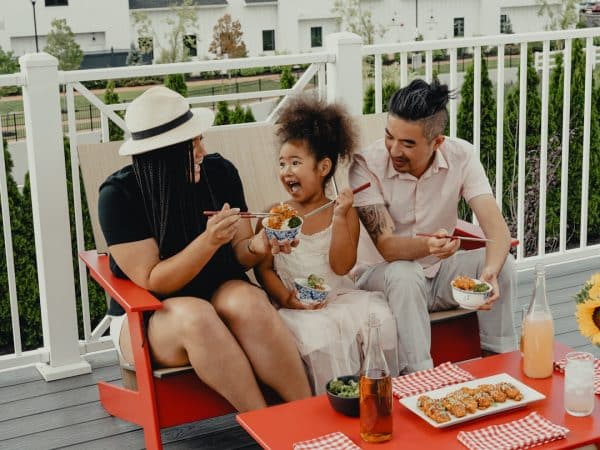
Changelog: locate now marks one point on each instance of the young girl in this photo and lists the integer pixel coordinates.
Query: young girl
(331, 336)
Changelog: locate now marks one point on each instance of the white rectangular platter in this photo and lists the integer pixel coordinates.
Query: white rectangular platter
(529, 395)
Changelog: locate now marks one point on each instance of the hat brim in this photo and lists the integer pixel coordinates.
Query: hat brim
(202, 119)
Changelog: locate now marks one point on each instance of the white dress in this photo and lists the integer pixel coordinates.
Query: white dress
(332, 340)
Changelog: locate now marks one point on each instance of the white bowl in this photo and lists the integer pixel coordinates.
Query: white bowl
(309, 295)
(289, 234)
(470, 299)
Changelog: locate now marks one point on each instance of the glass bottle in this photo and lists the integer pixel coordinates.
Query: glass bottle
(538, 331)
(375, 389)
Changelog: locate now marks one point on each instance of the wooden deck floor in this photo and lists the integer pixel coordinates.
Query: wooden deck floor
(66, 413)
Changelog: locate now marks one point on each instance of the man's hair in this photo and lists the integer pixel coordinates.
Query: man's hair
(424, 103)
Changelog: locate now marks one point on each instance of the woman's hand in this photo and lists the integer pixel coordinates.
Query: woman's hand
(343, 203)
(221, 227)
(441, 246)
(292, 302)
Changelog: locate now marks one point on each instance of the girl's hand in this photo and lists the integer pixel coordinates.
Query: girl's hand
(343, 203)
(221, 227)
(490, 276)
(292, 302)
(282, 246)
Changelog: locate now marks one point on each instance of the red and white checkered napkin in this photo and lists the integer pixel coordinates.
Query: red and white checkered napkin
(560, 366)
(527, 432)
(426, 380)
(331, 441)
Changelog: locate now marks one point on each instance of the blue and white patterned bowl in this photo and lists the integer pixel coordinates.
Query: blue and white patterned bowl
(281, 235)
(306, 294)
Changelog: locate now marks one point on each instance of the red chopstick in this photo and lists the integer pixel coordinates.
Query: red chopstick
(362, 187)
(463, 238)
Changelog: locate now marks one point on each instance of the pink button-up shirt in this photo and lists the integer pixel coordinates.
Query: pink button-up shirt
(425, 204)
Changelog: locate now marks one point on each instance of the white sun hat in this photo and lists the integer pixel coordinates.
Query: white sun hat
(161, 117)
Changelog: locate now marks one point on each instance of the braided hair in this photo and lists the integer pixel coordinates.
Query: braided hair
(326, 128)
(166, 180)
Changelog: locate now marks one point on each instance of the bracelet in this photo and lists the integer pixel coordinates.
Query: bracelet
(252, 252)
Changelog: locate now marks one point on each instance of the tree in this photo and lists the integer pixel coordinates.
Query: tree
(183, 21)
(61, 44)
(249, 117)
(176, 82)
(112, 98)
(8, 62)
(237, 115)
(222, 115)
(389, 87)
(487, 117)
(227, 38)
(134, 57)
(561, 17)
(357, 20)
(286, 79)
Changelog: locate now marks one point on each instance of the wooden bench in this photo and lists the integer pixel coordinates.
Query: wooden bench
(156, 399)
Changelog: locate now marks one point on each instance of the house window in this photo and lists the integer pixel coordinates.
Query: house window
(505, 25)
(146, 46)
(189, 42)
(57, 2)
(268, 40)
(459, 27)
(316, 36)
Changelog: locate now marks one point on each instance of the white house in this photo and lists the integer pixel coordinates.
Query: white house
(290, 26)
(98, 25)
(269, 26)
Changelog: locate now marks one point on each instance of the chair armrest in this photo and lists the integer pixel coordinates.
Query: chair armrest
(129, 295)
(467, 229)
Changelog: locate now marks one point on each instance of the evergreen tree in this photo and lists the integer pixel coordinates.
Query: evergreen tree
(487, 117)
(176, 82)
(532, 148)
(111, 98)
(389, 88)
(222, 116)
(237, 115)
(249, 117)
(286, 79)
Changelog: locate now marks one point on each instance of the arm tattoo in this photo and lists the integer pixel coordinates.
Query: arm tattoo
(375, 218)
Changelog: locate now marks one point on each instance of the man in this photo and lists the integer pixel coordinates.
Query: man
(417, 177)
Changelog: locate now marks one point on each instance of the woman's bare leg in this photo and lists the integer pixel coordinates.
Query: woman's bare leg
(266, 340)
(186, 331)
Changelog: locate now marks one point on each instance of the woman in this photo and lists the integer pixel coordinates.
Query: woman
(151, 214)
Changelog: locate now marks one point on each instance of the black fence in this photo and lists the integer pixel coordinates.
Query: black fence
(13, 124)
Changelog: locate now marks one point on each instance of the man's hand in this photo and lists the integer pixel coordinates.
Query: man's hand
(490, 277)
(222, 227)
(441, 246)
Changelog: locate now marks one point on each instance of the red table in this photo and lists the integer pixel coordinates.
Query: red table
(278, 427)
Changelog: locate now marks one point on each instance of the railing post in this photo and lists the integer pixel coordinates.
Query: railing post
(344, 77)
(45, 154)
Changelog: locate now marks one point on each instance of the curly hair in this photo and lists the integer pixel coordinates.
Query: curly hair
(327, 129)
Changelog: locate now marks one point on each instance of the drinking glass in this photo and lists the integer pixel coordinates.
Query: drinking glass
(579, 384)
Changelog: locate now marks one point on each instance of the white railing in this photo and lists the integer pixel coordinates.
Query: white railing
(475, 45)
(339, 74)
(538, 58)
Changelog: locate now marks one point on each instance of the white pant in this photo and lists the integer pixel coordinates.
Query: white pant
(116, 325)
(411, 296)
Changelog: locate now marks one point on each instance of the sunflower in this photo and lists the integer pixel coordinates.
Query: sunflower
(587, 310)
